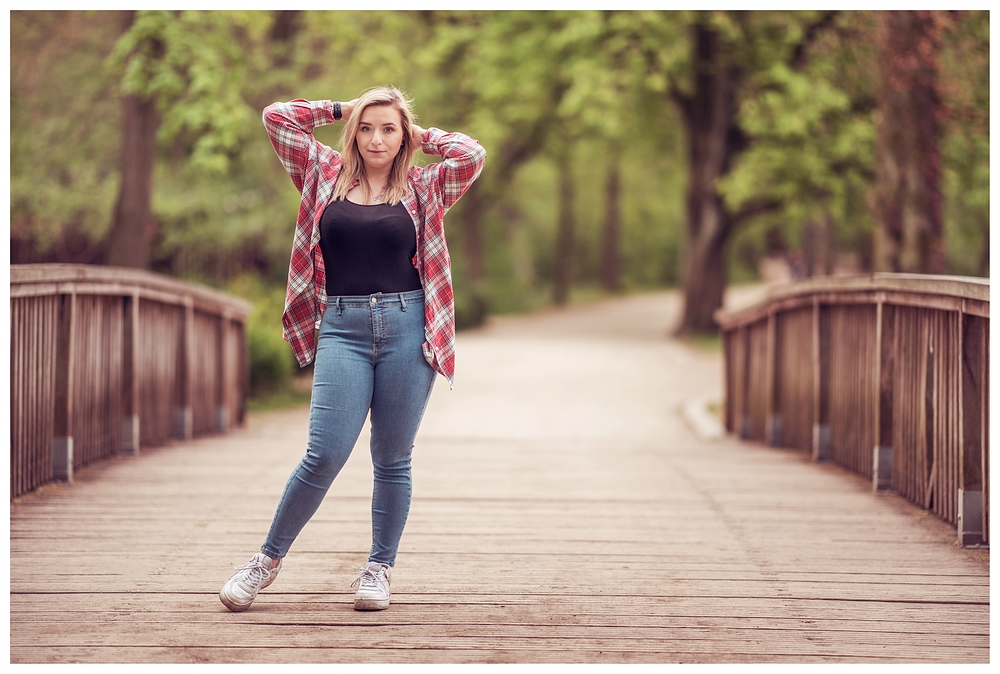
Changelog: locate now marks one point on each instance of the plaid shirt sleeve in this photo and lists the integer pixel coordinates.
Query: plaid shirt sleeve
(463, 160)
(437, 187)
(290, 126)
(308, 163)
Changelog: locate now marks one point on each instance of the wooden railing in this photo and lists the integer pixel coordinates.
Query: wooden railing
(105, 360)
(884, 374)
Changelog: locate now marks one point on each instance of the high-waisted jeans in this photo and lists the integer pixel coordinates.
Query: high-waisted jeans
(369, 357)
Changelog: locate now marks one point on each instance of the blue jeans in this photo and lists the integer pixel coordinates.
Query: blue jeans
(369, 357)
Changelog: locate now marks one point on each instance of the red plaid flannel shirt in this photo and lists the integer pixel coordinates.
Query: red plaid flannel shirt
(314, 168)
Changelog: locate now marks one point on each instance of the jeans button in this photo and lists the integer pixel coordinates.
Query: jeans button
(374, 300)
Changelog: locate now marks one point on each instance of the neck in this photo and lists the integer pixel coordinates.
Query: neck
(377, 179)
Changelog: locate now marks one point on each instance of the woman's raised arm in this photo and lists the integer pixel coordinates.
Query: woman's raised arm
(290, 126)
(463, 161)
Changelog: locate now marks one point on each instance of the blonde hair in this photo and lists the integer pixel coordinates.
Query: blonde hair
(354, 165)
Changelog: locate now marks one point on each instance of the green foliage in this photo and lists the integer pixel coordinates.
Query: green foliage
(272, 364)
(471, 307)
(193, 64)
(814, 140)
(64, 140)
(269, 401)
(527, 84)
(965, 80)
(706, 341)
(810, 144)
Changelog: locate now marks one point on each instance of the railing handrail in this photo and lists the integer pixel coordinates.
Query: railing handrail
(963, 293)
(28, 280)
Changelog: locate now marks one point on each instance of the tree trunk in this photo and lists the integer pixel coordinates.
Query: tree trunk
(130, 236)
(565, 235)
(287, 23)
(714, 138)
(704, 285)
(817, 246)
(907, 204)
(610, 251)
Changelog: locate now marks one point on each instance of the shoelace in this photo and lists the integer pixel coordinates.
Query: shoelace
(256, 572)
(368, 579)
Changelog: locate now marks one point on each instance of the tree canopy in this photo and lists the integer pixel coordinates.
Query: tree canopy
(592, 119)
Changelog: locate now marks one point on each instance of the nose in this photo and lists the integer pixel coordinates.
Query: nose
(377, 138)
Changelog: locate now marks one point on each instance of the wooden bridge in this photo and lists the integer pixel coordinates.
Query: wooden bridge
(573, 503)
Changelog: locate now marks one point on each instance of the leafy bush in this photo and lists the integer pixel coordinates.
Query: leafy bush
(271, 360)
(471, 308)
(272, 363)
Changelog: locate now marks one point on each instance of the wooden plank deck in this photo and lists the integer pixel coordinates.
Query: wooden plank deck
(563, 512)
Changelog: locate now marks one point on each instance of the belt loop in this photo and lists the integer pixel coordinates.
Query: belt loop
(402, 301)
(340, 310)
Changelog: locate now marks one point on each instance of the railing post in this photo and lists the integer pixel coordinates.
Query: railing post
(821, 382)
(222, 397)
(727, 379)
(885, 322)
(743, 413)
(62, 431)
(972, 451)
(772, 420)
(183, 416)
(244, 368)
(130, 374)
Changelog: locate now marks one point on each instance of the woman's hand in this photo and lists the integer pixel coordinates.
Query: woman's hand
(416, 135)
(347, 109)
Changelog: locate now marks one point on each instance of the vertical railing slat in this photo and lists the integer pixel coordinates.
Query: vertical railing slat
(63, 422)
(885, 359)
(971, 492)
(130, 375)
(184, 423)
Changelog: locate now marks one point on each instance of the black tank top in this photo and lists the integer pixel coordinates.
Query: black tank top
(368, 249)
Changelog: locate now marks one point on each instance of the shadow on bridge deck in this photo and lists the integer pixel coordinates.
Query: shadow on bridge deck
(563, 512)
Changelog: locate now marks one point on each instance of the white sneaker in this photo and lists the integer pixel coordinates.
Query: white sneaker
(373, 587)
(242, 587)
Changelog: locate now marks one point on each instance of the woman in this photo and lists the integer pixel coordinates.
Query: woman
(370, 271)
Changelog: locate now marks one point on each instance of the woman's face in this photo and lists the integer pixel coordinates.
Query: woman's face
(380, 135)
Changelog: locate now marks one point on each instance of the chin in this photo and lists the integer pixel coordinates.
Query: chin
(378, 162)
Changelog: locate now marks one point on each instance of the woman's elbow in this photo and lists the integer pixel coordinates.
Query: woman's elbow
(272, 115)
(477, 154)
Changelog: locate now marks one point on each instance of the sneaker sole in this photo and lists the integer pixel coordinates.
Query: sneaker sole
(370, 604)
(232, 606)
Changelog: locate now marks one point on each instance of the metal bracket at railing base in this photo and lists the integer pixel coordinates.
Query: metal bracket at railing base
(62, 458)
(882, 468)
(774, 429)
(821, 442)
(743, 431)
(130, 435)
(970, 517)
(221, 419)
(183, 423)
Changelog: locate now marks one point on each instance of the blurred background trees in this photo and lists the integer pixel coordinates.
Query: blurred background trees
(627, 150)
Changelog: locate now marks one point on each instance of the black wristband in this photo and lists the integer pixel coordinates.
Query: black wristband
(336, 110)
